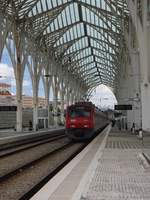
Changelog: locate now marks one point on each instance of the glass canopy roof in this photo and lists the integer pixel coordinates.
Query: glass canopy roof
(85, 35)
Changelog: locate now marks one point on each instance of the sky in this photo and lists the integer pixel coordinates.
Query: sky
(102, 96)
(7, 76)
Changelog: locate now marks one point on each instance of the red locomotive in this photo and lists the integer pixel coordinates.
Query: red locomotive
(83, 119)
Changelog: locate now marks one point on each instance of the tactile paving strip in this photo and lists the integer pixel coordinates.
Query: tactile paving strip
(127, 145)
(119, 176)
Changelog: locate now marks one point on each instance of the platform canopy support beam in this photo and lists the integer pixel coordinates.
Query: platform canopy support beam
(19, 58)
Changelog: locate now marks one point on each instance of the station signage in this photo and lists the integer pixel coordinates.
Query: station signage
(123, 107)
(8, 108)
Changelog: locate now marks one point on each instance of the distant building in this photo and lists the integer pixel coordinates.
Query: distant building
(6, 98)
(5, 95)
(28, 101)
(4, 89)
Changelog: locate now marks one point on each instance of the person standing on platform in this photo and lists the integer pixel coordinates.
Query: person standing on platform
(30, 125)
(133, 128)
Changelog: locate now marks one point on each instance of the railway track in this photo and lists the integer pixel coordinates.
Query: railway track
(22, 180)
(25, 155)
(19, 146)
(30, 139)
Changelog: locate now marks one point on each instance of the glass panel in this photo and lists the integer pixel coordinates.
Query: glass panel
(79, 112)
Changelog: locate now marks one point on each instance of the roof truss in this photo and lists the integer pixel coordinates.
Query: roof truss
(84, 35)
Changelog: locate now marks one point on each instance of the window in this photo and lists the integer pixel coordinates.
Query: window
(79, 113)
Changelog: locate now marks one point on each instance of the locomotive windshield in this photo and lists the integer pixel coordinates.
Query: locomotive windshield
(78, 112)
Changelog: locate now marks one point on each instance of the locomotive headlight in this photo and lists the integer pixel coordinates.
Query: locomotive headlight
(72, 126)
(86, 126)
(73, 120)
(86, 120)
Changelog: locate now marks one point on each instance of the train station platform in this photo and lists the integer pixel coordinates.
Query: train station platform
(9, 135)
(112, 167)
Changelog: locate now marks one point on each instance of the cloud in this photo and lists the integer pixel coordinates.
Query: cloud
(26, 83)
(6, 71)
(7, 74)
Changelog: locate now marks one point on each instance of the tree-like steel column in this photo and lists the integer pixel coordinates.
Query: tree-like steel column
(67, 95)
(35, 82)
(55, 100)
(3, 33)
(47, 99)
(47, 84)
(35, 103)
(62, 101)
(19, 78)
(71, 97)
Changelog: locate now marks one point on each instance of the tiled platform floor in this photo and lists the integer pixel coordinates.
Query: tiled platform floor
(119, 174)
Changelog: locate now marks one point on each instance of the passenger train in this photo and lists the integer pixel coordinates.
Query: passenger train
(83, 120)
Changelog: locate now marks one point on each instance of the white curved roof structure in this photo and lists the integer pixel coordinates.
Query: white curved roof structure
(87, 36)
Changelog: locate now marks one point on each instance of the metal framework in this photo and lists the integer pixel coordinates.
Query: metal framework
(85, 36)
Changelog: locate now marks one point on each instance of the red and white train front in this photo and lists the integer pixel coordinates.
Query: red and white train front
(79, 121)
(83, 119)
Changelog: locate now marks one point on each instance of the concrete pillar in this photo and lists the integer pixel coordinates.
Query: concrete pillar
(142, 28)
(145, 76)
(129, 90)
(145, 94)
(134, 116)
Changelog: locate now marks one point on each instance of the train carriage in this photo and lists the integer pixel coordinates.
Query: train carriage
(83, 120)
